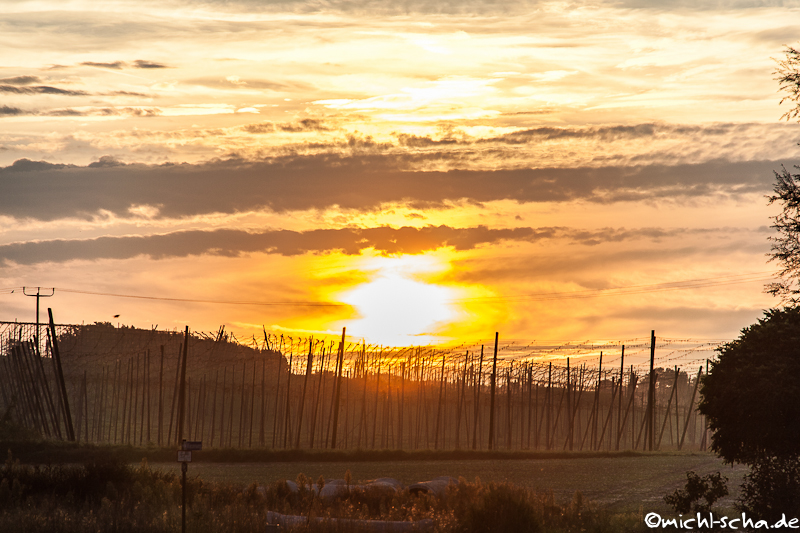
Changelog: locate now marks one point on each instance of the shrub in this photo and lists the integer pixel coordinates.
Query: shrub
(699, 494)
(771, 488)
(501, 508)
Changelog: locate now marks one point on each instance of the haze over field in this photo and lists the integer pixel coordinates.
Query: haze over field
(418, 172)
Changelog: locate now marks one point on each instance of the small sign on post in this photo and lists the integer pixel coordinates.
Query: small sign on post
(184, 458)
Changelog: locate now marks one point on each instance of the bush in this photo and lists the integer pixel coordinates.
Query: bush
(501, 508)
(699, 494)
(771, 488)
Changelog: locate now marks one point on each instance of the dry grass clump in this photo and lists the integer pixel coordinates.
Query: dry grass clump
(113, 497)
(467, 507)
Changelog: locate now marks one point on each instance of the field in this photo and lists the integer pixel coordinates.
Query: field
(617, 483)
(128, 489)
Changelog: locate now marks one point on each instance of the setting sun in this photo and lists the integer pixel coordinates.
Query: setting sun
(398, 308)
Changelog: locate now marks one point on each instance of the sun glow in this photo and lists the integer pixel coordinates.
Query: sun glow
(397, 306)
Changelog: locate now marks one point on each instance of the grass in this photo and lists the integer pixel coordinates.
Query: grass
(115, 497)
(620, 481)
(71, 452)
(466, 507)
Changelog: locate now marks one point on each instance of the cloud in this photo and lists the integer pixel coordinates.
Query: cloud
(101, 112)
(67, 112)
(609, 235)
(116, 65)
(476, 7)
(11, 111)
(26, 165)
(141, 63)
(424, 141)
(40, 89)
(20, 80)
(608, 266)
(84, 112)
(235, 82)
(107, 161)
(305, 125)
(605, 133)
(350, 241)
(644, 143)
(707, 5)
(776, 37)
(598, 133)
(130, 93)
(263, 127)
(119, 65)
(361, 182)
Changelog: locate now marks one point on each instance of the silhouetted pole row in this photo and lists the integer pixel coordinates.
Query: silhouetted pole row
(351, 396)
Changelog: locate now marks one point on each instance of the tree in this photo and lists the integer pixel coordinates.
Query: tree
(788, 72)
(786, 246)
(751, 396)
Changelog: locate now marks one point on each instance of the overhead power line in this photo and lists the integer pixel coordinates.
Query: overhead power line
(207, 301)
(732, 279)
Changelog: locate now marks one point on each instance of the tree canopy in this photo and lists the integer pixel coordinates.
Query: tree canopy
(786, 244)
(752, 394)
(788, 72)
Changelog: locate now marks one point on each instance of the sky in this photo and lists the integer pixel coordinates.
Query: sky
(418, 172)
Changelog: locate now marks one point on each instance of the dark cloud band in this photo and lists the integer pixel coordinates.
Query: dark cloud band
(44, 191)
(350, 241)
(39, 89)
(119, 65)
(20, 80)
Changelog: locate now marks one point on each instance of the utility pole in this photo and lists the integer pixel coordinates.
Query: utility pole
(38, 295)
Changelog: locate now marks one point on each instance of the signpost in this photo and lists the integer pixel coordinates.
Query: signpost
(184, 458)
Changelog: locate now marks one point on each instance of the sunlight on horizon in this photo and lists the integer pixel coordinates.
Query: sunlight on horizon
(396, 307)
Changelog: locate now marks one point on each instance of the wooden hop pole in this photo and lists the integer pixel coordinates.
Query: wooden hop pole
(493, 385)
(182, 391)
(338, 391)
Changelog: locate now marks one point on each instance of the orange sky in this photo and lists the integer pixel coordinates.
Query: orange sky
(430, 173)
